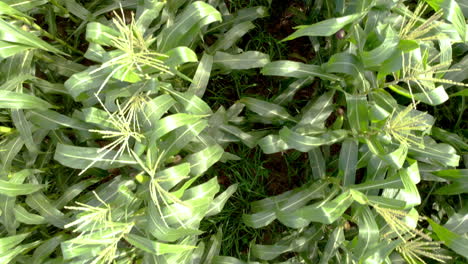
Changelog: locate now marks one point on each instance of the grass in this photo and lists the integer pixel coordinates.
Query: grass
(251, 175)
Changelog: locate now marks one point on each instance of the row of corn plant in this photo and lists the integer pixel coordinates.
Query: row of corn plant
(102, 148)
(368, 145)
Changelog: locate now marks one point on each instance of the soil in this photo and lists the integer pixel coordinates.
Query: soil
(281, 24)
(280, 179)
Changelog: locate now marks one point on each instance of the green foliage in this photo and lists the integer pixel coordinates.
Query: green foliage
(366, 204)
(110, 150)
(103, 150)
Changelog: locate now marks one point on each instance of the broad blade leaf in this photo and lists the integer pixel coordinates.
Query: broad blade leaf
(296, 69)
(83, 157)
(324, 28)
(14, 100)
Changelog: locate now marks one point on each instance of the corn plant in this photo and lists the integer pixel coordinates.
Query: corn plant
(368, 153)
(107, 146)
(104, 147)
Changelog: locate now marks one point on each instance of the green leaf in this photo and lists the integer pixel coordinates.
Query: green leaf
(153, 247)
(8, 243)
(228, 39)
(317, 163)
(442, 154)
(202, 160)
(380, 252)
(241, 16)
(297, 70)
(7, 203)
(10, 9)
(435, 96)
(407, 45)
(452, 12)
(83, 157)
(77, 9)
(453, 174)
(368, 236)
(8, 49)
(410, 194)
(15, 189)
(146, 13)
(7, 257)
(316, 113)
(169, 123)
(267, 110)
(397, 157)
(218, 203)
(98, 117)
(43, 206)
(392, 182)
(63, 66)
(73, 191)
(214, 247)
(90, 79)
(377, 56)
(322, 212)
(459, 72)
(230, 260)
(196, 202)
(242, 61)
(258, 220)
(463, 92)
(187, 25)
(159, 229)
(348, 161)
(452, 240)
(179, 56)
(192, 104)
(48, 87)
(25, 5)
(386, 202)
(458, 223)
(95, 52)
(450, 138)
(14, 100)
(156, 108)
(28, 218)
(202, 76)
(454, 188)
(268, 252)
(357, 112)
(171, 176)
(180, 137)
(287, 95)
(324, 28)
(100, 34)
(272, 144)
(248, 139)
(46, 249)
(334, 242)
(267, 209)
(52, 120)
(306, 143)
(25, 129)
(13, 34)
(345, 63)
